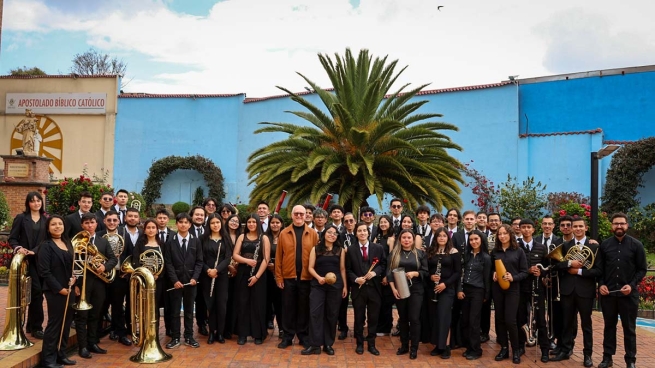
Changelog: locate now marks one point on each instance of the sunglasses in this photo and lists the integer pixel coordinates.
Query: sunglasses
(367, 215)
(349, 221)
(108, 199)
(111, 220)
(226, 211)
(397, 206)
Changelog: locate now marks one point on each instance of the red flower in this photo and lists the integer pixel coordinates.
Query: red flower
(562, 212)
(45, 191)
(587, 213)
(71, 208)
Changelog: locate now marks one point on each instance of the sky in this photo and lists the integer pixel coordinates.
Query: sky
(252, 46)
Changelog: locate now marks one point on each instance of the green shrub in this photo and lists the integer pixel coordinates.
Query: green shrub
(5, 216)
(198, 197)
(583, 210)
(642, 225)
(179, 207)
(62, 198)
(525, 200)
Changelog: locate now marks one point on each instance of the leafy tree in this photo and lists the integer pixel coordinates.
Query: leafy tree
(370, 141)
(27, 71)
(525, 200)
(93, 62)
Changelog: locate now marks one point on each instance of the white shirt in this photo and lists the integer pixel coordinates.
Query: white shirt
(134, 236)
(529, 245)
(367, 249)
(179, 240)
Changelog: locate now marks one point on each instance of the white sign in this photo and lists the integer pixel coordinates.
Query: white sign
(57, 103)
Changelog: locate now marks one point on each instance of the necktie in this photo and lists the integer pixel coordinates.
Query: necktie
(123, 216)
(396, 223)
(450, 233)
(546, 239)
(93, 238)
(199, 231)
(364, 254)
(579, 245)
(184, 245)
(161, 237)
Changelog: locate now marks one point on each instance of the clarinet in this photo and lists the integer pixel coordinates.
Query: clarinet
(435, 298)
(255, 256)
(218, 254)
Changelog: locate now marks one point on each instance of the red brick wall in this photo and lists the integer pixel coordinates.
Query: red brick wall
(15, 194)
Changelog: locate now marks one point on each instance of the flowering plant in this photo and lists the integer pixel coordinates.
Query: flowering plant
(62, 198)
(582, 210)
(6, 252)
(483, 188)
(646, 289)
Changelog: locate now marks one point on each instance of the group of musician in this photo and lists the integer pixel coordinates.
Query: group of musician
(441, 272)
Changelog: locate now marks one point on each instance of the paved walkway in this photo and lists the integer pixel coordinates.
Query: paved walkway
(268, 355)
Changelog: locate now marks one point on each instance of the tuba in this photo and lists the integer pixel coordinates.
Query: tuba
(144, 318)
(19, 296)
(81, 260)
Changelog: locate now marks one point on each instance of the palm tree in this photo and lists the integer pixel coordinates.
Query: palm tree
(369, 142)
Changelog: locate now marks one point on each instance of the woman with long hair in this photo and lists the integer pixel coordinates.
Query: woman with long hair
(506, 301)
(226, 211)
(445, 268)
(149, 241)
(474, 290)
(55, 261)
(27, 233)
(328, 256)
(415, 263)
(252, 252)
(216, 254)
(233, 227)
(273, 293)
(386, 238)
(407, 223)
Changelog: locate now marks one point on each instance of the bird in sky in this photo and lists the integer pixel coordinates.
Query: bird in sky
(439, 7)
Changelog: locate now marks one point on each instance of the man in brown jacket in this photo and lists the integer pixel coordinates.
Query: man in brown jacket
(292, 276)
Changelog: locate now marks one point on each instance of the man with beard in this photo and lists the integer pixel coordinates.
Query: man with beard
(197, 229)
(624, 266)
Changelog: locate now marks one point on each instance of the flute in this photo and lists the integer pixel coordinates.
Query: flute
(218, 254)
(183, 285)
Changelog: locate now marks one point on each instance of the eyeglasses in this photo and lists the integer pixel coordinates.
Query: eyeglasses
(333, 233)
(210, 205)
(108, 199)
(226, 211)
(367, 215)
(299, 214)
(547, 224)
(397, 206)
(619, 223)
(349, 221)
(494, 221)
(111, 220)
(234, 221)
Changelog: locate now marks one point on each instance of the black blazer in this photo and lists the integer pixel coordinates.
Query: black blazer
(100, 218)
(459, 241)
(183, 267)
(53, 267)
(582, 285)
(355, 269)
(554, 241)
(73, 224)
(128, 248)
(21, 232)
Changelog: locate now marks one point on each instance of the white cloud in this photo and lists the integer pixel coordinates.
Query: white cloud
(253, 45)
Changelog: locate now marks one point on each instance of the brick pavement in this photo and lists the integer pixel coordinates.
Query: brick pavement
(268, 355)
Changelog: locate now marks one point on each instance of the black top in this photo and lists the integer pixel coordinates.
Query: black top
(209, 250)
(536, 255)
(298, 230)
(451, 268)
(515, 263)
(624, 263)
(248, 249)
(55, 265)
(477, 271)
(27, 233)
(408, 261)
(329, 262)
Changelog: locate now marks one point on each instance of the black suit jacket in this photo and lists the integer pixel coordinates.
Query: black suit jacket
(554, 241)
(72, 224)
(535, 256)
(180, 266)
(582, 285)
(343, 237)
(355, 269)
(128, 248)
(53, 267)
(459, 241)
(100, 218)
(21, 233)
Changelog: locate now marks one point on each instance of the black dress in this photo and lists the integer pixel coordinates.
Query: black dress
(217, 302)
(439, 313)
(273, 293)
(325, 300)
(250, 302)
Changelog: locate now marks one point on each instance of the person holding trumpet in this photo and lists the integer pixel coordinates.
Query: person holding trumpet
(506, 290)
(55, 263)
(328, 256)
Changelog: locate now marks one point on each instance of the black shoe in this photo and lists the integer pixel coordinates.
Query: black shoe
(259, 341)
(328, 350)
(280, 334)
(630, 365)
(569, 353)
(210, 339)
(502, 355)
(228, 336)
(413, 353)
(97, 349)
(173, 344)
(66, 361)
(311, 350)
(521, 351)
(359, 349)
(113, 336)
(220, 339)
(373, 350)
(191, 342)
(516, 357)
(305, 344)
(52, 366)
(484, 338)
(270, 325)
(284, 344)
(473, 356)
(37, 335)
(402, 350)
(436, 351)
(606, 363)
(241, 341)
(544, 356)
(343, 335)
(126, 341)
(587, 361)
(84, 353)
(446, 353)
(395, 332)
(203, 330)
(556, 351)
(559, 357)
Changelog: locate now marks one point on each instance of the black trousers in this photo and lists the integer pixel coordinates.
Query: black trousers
(409, 315)
(439, 315)
(485, 317)
(506, 304)
(56, 307)
(201, 310)
(119, 292)
(385, 321)
(324, 304)
(626, 307)
(367, 309)
(184, 296)
(217, 308)
(230, 314)
(273, 300)
(86, 322)
(343, 311)
(166, 303)
(455, 324)
(539, 310)
(572, 305)
(35, 315)
(295, 309)
(471, 316)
